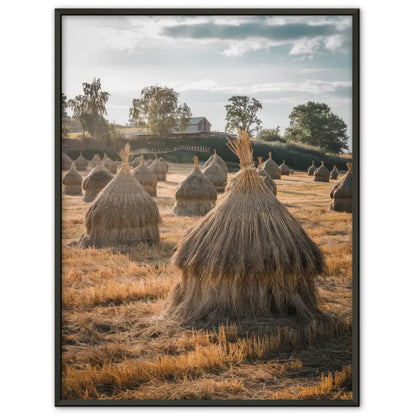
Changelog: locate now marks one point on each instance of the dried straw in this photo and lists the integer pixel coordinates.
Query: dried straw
(72, 181)
(109, 164)
(219, 160)
(284, 169)
(312, 168)
(146, 177)
(81, 163)
(272, 168)
(334, 173)
(216, 174)
(342, 193)
(66, 162)
(97, 180)
(321, 174)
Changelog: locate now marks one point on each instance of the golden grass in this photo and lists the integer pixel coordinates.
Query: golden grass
(114, 349)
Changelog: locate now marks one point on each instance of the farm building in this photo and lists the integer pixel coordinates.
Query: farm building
(196, 125)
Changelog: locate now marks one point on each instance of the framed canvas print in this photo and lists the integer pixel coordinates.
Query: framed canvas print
(207, 207)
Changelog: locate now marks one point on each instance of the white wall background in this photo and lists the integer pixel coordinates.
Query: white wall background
(388, 227)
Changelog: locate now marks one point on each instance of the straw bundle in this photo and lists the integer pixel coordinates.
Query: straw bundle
(342, 193)
(219, 160)
(321, 174)
(247, 258)
(136, 162)
(149, 162)
(272, 168)
(284, 169)
(165, 163)
(216, 174)
(66, 162)
(123, 214)
(93, 161)
(195, 195)
(72, 181)
(81, 163)
(146, 177)
(266, 177)
(97, 180)
(312, 168)
(334, 173)
(159, 168)
(109, 164)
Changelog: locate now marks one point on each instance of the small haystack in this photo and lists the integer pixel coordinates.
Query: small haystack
(123, 214)
(165, 163)
(248, 258)
(73, 182)
(136, 162)
(159, 168)
(342, 193)
(219, 160)
(266, 177)
(149, 162)
(81, 163)
(195, 195)
(97, 180)
(66, 162)
(334, 173)
(109, 164)
(272, 168)
(284, 169)
(146, 177)
(321, 174)
(216, 174)
(93, 161)
(312, 168)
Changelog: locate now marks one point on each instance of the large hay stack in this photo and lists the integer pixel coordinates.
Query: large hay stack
(342, 193)
(81, 163)
(109, 164)
(216, 174)
(146, 177)
(272, 168)
(266, 177)
(97, 180)
(73, 182)
(334, 173)
(312, 168)
(321, 174)
(195, 195)
(284, 169)
(246, 259)
(219, 159)
(123, 214)
(66, 162)
(159, 167)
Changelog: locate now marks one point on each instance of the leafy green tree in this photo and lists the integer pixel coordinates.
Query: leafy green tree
(64, 106)
(158, 108)
(315, 124)
(271, 135)
(242, 114)
(89, 108)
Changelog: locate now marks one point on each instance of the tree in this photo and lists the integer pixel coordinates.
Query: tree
(64, 106)
(158, 108)
(271, 135)
(315, 124)
(90, 109)
(241, 113)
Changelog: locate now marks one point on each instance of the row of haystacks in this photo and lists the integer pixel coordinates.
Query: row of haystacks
(322, 174)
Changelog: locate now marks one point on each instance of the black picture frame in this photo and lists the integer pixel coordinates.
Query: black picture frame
(355, 14)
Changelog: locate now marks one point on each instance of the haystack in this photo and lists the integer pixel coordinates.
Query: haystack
(93, 161)
(272, 168)
(312, 168)
(266, 177)
(109, 164)
(123, 214)
(216, 174)
(136, 162)
(284, 169)
(321, 174)
(165, 163)
(219, 160)
(81, 163)
(247, 258)
(334, 173)
(97, 180)
(159, 168)
(66, 162)
(149, 162)
(146, 177)
(72, 181)
(342, 193)
(195, 195)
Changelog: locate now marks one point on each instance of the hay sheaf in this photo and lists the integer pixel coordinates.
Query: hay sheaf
(266, 177)
(81, 163)
(334, 173)
(109, 164)
(321, 174)
(284, 169)
(123, 214)
(219, 160)
(66, 162)
(195, 195)
(149, 162)
(146, 177)
(136, 162)
(312, 168)
(247, 258)
(216, 174)
(97, 180)
(159, 167)
(73, 182)
(272, 168)
(342, 193)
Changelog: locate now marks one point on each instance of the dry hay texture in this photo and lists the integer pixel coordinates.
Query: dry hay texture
(195, 195)
(321, 174)
(216, 174)
(219, 160)
(160, 168)
(312, 168)
(149, 162)
(284, 169)
(73, 182)
(81, 163)
(136, 161)
(93, 161)
(96, 180)
(123, 214)
(66, 162)
(246, 259)
(334, 173)
(109, 164)
(342, 193)
(272, 168)
(266, 177)
(146, 177)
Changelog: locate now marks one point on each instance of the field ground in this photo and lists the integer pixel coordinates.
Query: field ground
(114, 347)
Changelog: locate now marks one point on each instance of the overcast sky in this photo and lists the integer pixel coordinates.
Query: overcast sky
(282, 61)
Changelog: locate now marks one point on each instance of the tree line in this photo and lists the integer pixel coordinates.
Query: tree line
(158, 109)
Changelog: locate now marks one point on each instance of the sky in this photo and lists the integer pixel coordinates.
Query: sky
(282, 61)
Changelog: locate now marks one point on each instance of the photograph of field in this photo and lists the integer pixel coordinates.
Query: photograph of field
(209, 257)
